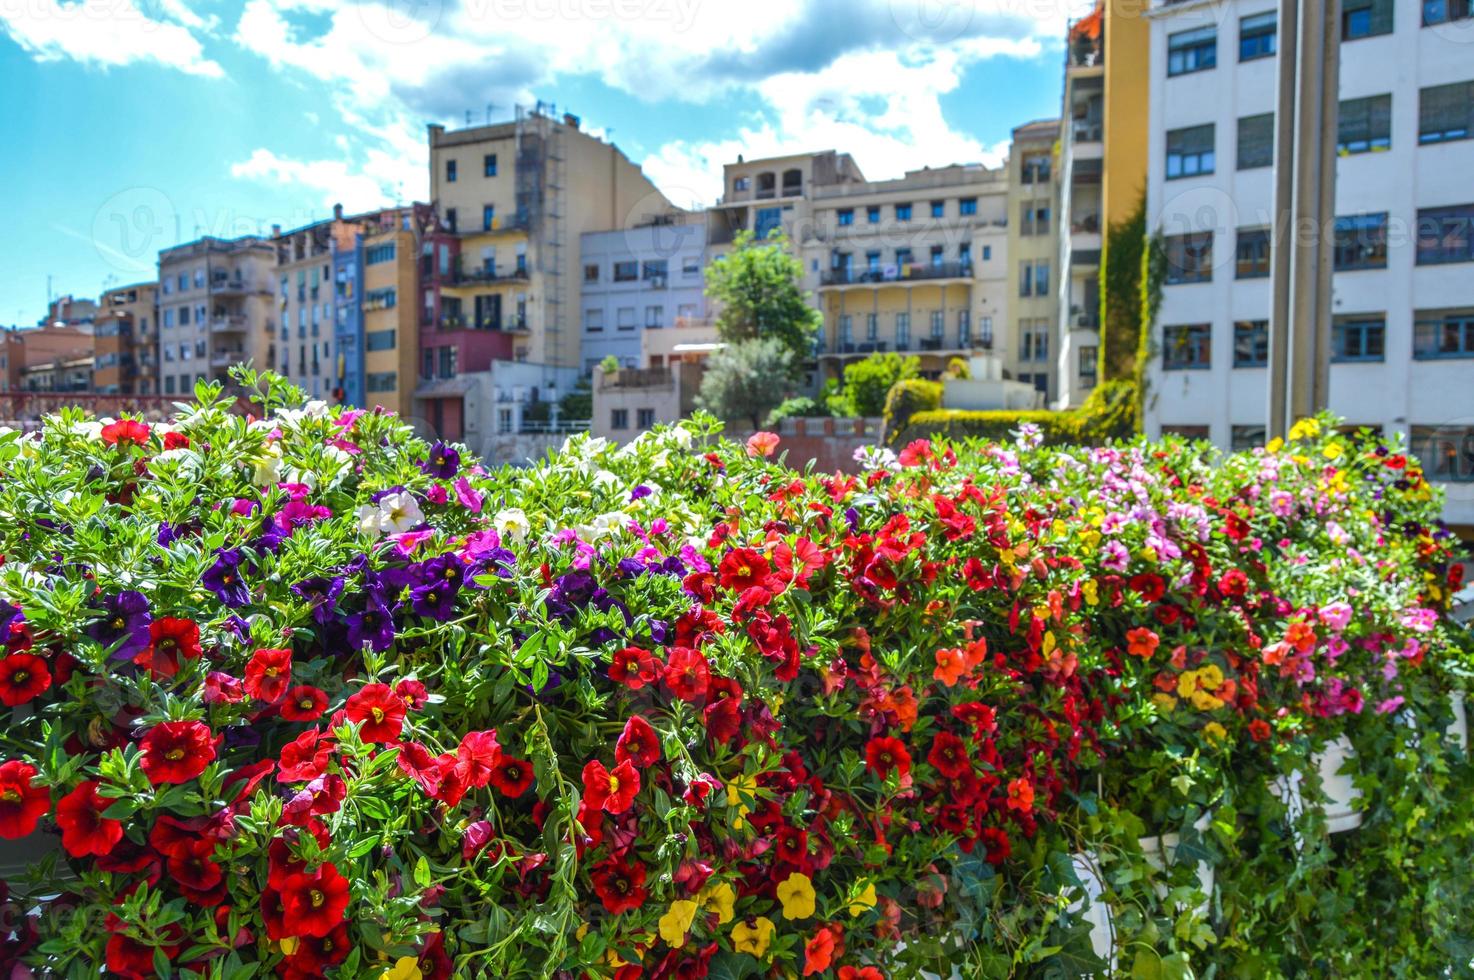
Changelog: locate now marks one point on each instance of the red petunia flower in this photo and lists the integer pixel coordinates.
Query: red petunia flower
(380, 711)
(417, 762)
(634, 668)
(84, 829)
(314, 954)
(995, 841)
(413, 692)
(883, 755)
(983, 719)
(304, 703)
(313, 904)
(792, 845)
(125, 431)
(1020, 795)
(512, 777)
(176, 751)
(948, 755)
(612, 791)
(194, 868)
(477, 756)
(172, 640)
(638, 743)
(687, 674)
(176, 440)
(21, 804)
(1141, 642)
(744, 568)
(268, 674)
(860, 973)
(23, 677)
(305, 757)
(821, 948)
(619, 884)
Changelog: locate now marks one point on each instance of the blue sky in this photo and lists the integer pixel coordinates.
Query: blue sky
(131, 125)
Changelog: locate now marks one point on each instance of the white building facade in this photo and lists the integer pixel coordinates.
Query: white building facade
(648, 277)
(1403, 345)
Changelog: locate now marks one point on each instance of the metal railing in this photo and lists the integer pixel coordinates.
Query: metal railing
(910, 272)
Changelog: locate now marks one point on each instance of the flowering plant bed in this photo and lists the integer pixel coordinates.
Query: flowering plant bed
(305, 696)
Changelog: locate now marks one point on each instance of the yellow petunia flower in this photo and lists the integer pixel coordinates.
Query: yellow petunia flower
(753, 936)
(1274, 445)
(797, 895)
(1305, 429)
(1187, 683)
(737, 788)
(404, 968)
(1164, 702)
(1215, 732)
(676, 922)
(719, 898)
(865, 901)
(1091, 591)
(1204, 701)
(1332, 451)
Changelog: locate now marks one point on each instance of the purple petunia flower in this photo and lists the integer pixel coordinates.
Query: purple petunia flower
(322, 593)
(443, 462)
(374, 626)
(224, 579)
(125, 622)
(433, 601)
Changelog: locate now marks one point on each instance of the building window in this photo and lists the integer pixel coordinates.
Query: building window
(1256, 141)
(741, 183)
(903, 331)
(690, 267)
(625, 318)
(645, 418)
(872, 327)
(1446, 112)
(1365, 125)
(845, 216)
(1361, 242)
(448, 361)
(450, 171)
(1443, 11)
(1251, 253)
(1365, 18)
(619, 418)
(964, 328)
(903, 212)
(488, 164)
(1035, 169)
(1243, 438)
(593, 321)
(1190, 152)
(654, 317)
(1447, 452)
(378, 340)
(1034, 278)
(655, 269)
(1443, 333)
(488, 217)
(626, 271)
(938, 256)
(1446, 235)
(872, 214)
(1187, 347)
(967, 206)
(1189, 258)
(1089, 359)
(1257, 35)
(1358, 338)
(1250, 343)
(450, 219)
(377, 299)
(371, 256)
(381, 380)
(591, 272)
(938, 209)
(1190, 51)
(1034, 217)
(504, 420)
(938, 324)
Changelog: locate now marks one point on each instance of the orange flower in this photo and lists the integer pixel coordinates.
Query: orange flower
(976, 652)
(762, 443)
(821, 949)
(951, 665)
(1020, 795)
(1141, 642)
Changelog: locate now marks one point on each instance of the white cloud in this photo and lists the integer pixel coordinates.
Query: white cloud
(861, 76)
(109, 34)
(358, 189)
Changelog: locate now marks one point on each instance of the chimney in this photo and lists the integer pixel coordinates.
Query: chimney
(337, 212)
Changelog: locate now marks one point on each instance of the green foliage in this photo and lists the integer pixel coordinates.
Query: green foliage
(579, 402)
(746, 380)
(867, 381)
(798, 407)
(756, 289)
(1120, 294)
(609, 364)
(906, 398)
(1108, 414)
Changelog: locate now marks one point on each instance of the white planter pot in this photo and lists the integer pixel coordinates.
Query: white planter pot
(1341, 813)
(1459, 730)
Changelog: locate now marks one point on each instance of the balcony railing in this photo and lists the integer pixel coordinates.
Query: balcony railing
(928, 344)
(506, 324)
(228, 324)
(484, 276)
(636, 378)
(911, 272)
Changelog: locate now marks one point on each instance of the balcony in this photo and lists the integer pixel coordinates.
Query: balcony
(488, 277)
(642, 378)
(225, 358)
(506, 324)
(235, 323)
(239, 285)
(884, 275)
(929, 344)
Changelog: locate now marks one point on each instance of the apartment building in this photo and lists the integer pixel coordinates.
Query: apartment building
(916, 265)
(389, 242)
(640, 280)
(1026, 342)
(125, 334)
(1403, 293)
(218, 305)
(501, 269)
(1101, 180)
(305, 308)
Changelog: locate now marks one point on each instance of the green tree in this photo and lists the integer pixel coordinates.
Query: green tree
(747, 379)
(579, 402)
(867, 382)
(756, 288)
